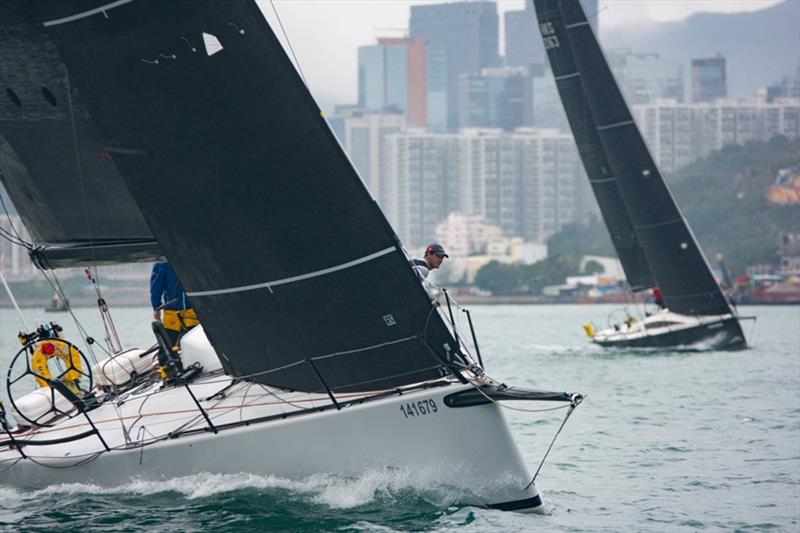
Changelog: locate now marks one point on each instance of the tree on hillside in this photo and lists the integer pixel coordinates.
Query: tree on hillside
(593, 267)
(499, 278)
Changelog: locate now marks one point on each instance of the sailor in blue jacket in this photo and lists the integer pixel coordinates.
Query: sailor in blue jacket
(167, 294)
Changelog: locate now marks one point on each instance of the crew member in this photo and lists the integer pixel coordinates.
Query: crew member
(169, 302)
(434, 256)
(658, 298)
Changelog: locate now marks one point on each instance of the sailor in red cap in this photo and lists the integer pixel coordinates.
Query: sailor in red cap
(434, 256)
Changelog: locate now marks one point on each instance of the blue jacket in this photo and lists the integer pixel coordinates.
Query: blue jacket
(164, 287)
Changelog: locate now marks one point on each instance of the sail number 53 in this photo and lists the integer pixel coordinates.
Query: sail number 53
(419, 408)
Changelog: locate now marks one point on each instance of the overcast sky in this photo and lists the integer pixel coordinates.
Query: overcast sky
(325, 34)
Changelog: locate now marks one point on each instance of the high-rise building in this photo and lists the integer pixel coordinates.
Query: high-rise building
(709, 79)
(465, 35)
(422, 177)
(678, 134)
(788, 87)
(548, 111)
(529, 183)
(496, 98)
(392, 76)
(646, 76)
(523, 43)
(365, 136)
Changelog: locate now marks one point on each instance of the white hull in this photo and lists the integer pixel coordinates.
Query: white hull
(469, 447)
(666, 328)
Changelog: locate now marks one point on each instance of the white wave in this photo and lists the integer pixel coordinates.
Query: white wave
(336, 492)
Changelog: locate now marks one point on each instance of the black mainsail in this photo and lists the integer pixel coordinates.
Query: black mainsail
(584, 130)
(286, 256)
(678, 266)
(62, 181)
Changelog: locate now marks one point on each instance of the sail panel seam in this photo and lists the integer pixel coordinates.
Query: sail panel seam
(269, 284)
(84, 14)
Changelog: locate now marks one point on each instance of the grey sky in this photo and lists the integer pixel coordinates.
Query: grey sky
(326, 33)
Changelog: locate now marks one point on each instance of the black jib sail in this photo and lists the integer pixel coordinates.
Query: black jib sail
(675, 259)
(63, 183)
(600, 173)
(286, 257)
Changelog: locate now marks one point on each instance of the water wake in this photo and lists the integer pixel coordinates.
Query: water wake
(333, 491)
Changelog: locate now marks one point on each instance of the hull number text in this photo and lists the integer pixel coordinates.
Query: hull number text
(419, 408)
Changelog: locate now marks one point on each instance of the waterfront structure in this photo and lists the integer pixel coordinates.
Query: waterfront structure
(392, 76)
(709, 79)
(462, 38)
(495, 98)
(364, 138)
(679, 133)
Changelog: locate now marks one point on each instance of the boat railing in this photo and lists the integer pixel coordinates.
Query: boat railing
(312, 366)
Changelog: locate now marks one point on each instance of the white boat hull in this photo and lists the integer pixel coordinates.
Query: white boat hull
(466, 447)
(665, 329)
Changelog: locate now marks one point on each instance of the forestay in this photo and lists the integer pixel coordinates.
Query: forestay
(283, 251)
(675, 259)
(63, 183)
(584, 129)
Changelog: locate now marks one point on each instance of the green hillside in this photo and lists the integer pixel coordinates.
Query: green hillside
(724, 198)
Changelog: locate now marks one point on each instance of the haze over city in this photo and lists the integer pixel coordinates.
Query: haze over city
(325, 34)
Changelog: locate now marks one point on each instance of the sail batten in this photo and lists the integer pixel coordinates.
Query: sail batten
(241, 180)
(269, 284)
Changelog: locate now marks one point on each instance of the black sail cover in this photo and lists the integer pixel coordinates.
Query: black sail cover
(584, 130)
(675, 259)
(285, 255)
(63, 183)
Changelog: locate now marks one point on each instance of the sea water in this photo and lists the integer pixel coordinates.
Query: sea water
(666, 440)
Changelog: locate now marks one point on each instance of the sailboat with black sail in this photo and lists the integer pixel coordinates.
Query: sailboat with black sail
(652, 238)
(318, 352)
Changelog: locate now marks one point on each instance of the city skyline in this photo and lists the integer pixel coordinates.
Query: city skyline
(325, 34)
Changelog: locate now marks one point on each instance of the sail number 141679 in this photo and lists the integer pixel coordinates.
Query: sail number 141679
(418, 408)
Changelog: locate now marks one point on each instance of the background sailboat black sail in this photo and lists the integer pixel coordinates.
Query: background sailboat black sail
(280, 246)
(584, 129)
(593, 101)
(63, 183)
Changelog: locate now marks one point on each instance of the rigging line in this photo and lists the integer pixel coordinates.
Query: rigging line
(81, 330)
(15, 233)
(289, 42)
(572, 407)
(80, 175)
